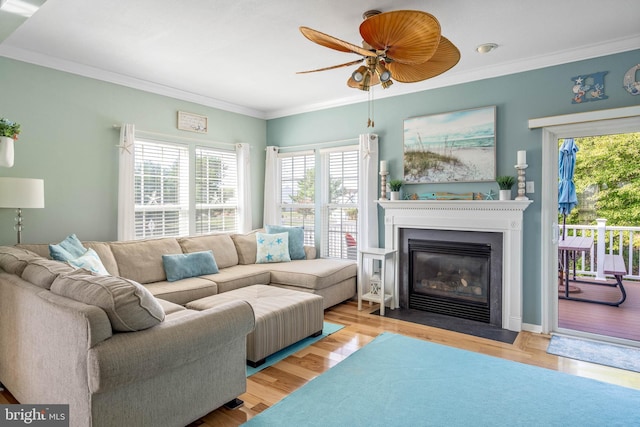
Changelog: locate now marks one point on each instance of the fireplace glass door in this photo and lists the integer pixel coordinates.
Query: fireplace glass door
(450, 278)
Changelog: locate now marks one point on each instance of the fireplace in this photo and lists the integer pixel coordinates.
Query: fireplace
(503, 220)
(456, 273)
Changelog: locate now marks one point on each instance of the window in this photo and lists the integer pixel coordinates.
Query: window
(216, 191)
(297, 193)
(334, 192)
(340, 204)
(164, 188)
(161, 192)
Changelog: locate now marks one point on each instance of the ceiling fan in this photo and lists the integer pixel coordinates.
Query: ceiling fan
(403, 45)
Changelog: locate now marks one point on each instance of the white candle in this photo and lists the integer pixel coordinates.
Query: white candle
(522, 157)
(383, 166)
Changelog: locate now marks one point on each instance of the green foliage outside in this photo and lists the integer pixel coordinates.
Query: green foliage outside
(307, 186)
(607, 179)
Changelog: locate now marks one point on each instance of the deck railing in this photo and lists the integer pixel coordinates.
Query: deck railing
(616, 240)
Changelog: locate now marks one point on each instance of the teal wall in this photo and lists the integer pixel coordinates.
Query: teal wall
(518, 97)
(68, 139)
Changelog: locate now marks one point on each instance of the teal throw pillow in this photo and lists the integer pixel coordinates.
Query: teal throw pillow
(193, 264)
(296, 239)
(89, 261)
(69, 248)
(272, 248)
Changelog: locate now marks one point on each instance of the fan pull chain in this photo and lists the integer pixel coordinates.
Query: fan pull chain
(370, 122)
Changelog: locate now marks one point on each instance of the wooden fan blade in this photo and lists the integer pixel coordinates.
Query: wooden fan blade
(333, 43)
(408, 36)
(331, 68)
(444, 59)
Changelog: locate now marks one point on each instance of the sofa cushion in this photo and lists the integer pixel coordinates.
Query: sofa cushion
(69, 248)
(246, 247)
(272, 248)
(183, 291)
(194, 264)
(14, 260)
(240, 276)
(310, 252)
(141, 260)
(90, 261)
(313, 273)
(129, 306)
(296, 239)
(224, 250)
(170, 307)
(41, 249)
(42, 272)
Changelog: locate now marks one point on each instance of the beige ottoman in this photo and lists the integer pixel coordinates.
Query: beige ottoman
(283, 317)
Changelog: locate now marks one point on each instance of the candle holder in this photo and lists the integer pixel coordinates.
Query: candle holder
(383, 185)
(521, 182)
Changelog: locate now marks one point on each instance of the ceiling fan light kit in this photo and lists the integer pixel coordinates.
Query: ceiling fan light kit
(358, 75)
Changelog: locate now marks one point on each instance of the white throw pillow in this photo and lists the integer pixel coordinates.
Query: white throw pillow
(272, 248)
(90, 261)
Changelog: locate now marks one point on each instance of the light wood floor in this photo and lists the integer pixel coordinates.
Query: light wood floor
(274, 383)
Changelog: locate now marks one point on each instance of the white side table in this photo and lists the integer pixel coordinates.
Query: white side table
(387, 259)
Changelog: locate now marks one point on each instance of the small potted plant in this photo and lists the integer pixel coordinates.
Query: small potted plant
(505, 183)
(395, 185)
(9, 129)
(8, 134)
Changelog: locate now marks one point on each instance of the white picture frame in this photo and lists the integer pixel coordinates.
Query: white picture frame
(192, 122)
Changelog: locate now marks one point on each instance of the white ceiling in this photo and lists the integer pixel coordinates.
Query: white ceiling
(243, 55)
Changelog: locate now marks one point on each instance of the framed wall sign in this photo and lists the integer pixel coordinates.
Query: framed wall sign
(451, 147)
(192, 122)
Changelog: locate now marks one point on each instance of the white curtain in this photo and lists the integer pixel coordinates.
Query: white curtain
(126, 201)
(271, 188)
(243, 154)
(368, 191)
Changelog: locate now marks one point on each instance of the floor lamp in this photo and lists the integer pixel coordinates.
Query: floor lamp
(21, 193)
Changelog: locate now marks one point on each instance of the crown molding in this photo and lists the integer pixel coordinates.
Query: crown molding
(124, 80)
(452, 78)
(448, 79)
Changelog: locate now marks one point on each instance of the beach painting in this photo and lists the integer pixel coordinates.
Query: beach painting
(451, 147)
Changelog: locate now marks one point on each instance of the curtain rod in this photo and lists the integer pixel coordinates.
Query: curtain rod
(186, 138)
(317, 145)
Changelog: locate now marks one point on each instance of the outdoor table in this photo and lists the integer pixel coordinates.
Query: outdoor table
(569, 247)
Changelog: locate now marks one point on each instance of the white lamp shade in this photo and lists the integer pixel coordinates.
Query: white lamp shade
(21, 193)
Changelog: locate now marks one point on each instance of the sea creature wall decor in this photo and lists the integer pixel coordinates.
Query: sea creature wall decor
(588, 87)
(629, 81)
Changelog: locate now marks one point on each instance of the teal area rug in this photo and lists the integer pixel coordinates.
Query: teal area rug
(401, 381)
(617, 356)
(327, 329)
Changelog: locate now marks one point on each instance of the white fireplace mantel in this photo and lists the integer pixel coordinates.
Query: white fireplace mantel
(468, 215)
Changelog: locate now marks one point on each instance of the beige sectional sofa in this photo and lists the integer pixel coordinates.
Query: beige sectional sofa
(57, 349)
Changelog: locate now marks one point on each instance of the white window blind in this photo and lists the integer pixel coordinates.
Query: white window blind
(216, 187)
(297, 187)
(161, 186)
(340, 207)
